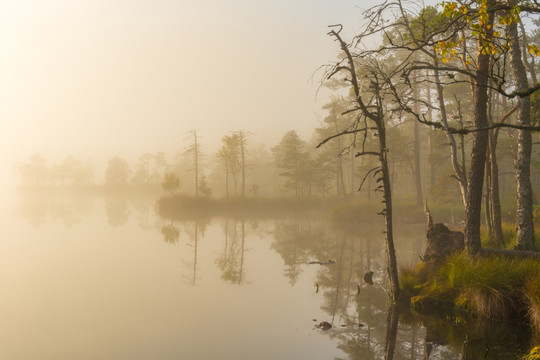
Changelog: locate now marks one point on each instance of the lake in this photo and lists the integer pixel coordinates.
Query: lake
(107, 278)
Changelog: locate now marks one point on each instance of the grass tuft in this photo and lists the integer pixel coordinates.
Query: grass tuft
(492, 287)
(534, 354)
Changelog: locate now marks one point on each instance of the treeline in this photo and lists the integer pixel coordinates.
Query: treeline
(294, 167)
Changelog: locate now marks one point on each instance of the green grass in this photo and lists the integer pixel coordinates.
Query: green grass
(509, 237)
(534, 354)
(492, 287)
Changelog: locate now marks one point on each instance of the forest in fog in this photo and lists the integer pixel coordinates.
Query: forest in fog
(423, 75)
(294, 166)
(415, 189)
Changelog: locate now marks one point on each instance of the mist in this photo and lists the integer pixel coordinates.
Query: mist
(262, 180)
(123, 79)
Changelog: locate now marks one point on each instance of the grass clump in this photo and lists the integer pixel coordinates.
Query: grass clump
(509, 236)
(532, 295)
(493, 287)
(534, 354)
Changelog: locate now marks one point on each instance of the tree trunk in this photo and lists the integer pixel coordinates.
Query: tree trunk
(341, 181)
(431, 165)
(487, 197)
(392, 322)
(525, 227)
(531, 66)
(458, 171)
(495, 201)
(417, 170)
(226, 178)
(242, 154)
(475, 181)
(387, 211)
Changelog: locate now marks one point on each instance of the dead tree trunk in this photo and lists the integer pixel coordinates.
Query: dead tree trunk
(375, 114)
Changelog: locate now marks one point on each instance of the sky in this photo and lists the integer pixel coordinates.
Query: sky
(102, 78)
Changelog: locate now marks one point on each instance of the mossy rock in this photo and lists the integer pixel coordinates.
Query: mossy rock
(534, 354)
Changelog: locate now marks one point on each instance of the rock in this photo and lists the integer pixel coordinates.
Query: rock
(325, 325)
(442, 242)
(368, 278)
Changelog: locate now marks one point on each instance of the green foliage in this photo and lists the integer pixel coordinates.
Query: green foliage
(294, 163)
(170, 183)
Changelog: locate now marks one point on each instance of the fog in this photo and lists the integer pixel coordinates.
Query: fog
(165, 195)
(123, 78)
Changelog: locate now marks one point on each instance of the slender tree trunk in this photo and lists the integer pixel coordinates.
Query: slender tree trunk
(392, 322)
(196, 153)
(525, 227)
(493, 189)
(475, 182)
(387, 211)
(341, 183)
(495, 202)
(242, 136)
(431, 165)
(530, 65)
(417, 170)
(226, 178)
(458, 171)
(487, 198)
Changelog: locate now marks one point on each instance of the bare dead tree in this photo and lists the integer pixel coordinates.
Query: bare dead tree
(368, 102)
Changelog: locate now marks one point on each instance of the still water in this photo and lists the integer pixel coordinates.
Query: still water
(95, 278)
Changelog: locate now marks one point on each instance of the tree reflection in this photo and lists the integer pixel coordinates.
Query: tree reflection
(171, 233)
(197, 231)
(358, 311)
(293, 241)
(231, 261)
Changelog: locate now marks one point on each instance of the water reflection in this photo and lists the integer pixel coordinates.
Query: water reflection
(70, 210)
(231, 259)
(171, 233)
(303, 260)
(117, 211)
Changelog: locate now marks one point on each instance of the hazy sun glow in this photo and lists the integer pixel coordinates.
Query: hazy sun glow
(98, 78)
